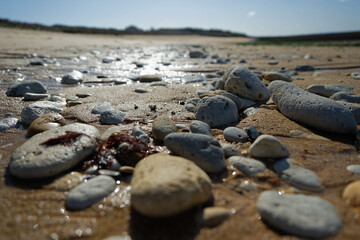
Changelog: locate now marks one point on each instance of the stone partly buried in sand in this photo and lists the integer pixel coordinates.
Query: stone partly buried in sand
(37, 109)
(299, 215)
(90, 192)
(216, 111)
(311, 109)
(164, 185)
(202, 149)
(31, 86)
(45, 122)
(328, 90)
(54, 151)
(267, 146)
(162, 126)
(243, 83)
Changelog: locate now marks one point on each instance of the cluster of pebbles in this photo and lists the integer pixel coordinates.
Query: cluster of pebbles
(163, 184)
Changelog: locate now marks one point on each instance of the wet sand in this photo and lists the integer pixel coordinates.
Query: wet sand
(36, 210)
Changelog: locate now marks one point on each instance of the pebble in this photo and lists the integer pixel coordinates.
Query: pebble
(304, 68)
(311, 109)
(297, 176)
(73, 77)
(145, 138)
(351, 194)
(8, 123)
(353, 108)
(308, 56)
(251, 111)
(34, 96)
(267, 146)
(108, 60)
(150, 78)
(112, 117)
(200, 127)
(142, 90)
(271, 76)
(159, 84)
(137, 131)
(83, 95)
(111, 173)
(30, 86)
(214, 216)
(234, 134)
(243, 61)
(354, 169)
(90, 192)
(37, 63)
(197, 54)
(229, 150)
(216, 111)
(328, 90)
(33, 159)
(126, 169)
(37, 109)
(106, 106)
(244, 83)
(247, 165)
(173, 185)
(273, 63)
(355, 75)
(204, 150)
(247, 185)
(108, 132)
(299, 215)
(345, 97)
(252, 133)
(190, 107)
(194, 79)
(239, 103)
(45, 122)
(202, 92)
(162, 126)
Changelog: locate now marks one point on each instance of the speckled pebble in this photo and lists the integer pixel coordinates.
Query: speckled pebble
(200, 127)
(234, 134)
(162, 126)
(112, 117)
(8, 123)
(247, 165)
(267, 146)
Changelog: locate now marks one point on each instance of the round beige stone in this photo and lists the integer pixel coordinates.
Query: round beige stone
(162, 126)
(351, 194)
(45, 122)
(164, 185)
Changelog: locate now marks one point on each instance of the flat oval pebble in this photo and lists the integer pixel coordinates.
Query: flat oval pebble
(299, 215)
(244, 83)
(102, 108)
(354, 168)
(164, 185)
(112, 117)
(271, 76)
(37, 109)
(74, 77)
(30, 86)
(200, 127)
(229, 150)
(311, 109)
(297, 176)
(328, 90)
(214, 216)
(355, 75)
(351, 194)
(216, 111)
(34, 96)
(45, 122)
(162, 126)
(204, 150)
(8, 123)
(44, 156)
(234, 134)
(108, 132)
(247, 165)
(150, 78)
(90, 192)
(267, 146)
(346, 97)
(304, 68)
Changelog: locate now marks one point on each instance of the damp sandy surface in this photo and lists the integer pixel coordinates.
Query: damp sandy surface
(36, 209)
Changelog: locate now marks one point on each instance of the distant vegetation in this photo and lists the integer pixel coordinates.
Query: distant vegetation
(328, 39)
(111, 31)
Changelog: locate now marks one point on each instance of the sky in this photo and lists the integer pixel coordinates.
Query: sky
(252, 17)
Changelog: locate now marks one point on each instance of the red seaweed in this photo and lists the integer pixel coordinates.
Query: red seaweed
(65, 140)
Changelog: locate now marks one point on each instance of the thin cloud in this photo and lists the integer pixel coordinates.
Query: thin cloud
(251, 13)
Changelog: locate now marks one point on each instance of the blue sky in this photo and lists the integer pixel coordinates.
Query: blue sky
(253, 17)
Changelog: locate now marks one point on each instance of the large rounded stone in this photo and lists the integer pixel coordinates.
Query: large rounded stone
(216, 111)
(54, 151)
(311, 109)
(162, 126)
(20, 89)
(267, 146)
(244, 83)
(45, 122)
(164, 185)
(299, 215)
(90, 192)
(202, 149)
(37, 109)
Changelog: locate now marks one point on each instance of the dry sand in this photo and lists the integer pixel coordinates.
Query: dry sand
(32, 211)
